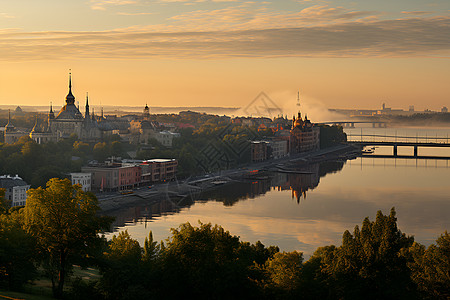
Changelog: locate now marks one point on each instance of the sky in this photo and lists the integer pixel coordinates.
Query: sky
(338, 53)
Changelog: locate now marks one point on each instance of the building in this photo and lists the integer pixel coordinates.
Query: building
(113, 176)
(259, 151)
(11, 133)
(141, 130)
(304, 136)
(166, 137)
(160, 169)
(70, 121)
(83, 179)
(15, 189)
(278, 148)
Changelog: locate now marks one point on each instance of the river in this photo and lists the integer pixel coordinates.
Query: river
(313, 209)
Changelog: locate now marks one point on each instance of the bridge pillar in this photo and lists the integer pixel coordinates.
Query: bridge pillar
(373, 125)
(415, 151)
(395, 150)
(352, 125)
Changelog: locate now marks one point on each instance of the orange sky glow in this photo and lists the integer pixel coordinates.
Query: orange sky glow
(223, 53)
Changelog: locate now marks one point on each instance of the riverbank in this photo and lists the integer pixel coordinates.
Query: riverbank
(109, 202)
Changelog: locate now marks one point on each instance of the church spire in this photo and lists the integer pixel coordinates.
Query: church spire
(86, 113)
(51, 115)
(9, 127)
(70, 99)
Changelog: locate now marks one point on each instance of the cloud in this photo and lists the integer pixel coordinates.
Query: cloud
(246, 16)
(134, 14)
(417, 13)
(6, 16)
(100, 4)
(363, 37)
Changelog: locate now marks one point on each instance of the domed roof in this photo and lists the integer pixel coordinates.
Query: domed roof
(69, 111)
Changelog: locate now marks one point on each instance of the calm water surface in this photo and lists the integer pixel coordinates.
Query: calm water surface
(306, 211)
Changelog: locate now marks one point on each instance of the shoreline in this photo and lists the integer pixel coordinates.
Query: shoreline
(111, 202)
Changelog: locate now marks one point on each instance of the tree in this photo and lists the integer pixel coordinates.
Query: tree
(370, 262)
(17, 251)
(331, 136)
(151, 249)
(63, 220)
(3, 204)
(204, 263)
(101, 151)
(431, 267)
(285, 272)
(122, 268)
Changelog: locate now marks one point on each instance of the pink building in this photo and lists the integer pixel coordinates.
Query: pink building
(114, 176)
(159, 169)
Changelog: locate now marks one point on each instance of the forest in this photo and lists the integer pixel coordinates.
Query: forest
(59, 230)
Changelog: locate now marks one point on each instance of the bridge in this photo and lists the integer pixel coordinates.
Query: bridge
(399, 141)
(351, 124)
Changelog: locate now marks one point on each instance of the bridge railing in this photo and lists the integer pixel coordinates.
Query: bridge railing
(397, 138)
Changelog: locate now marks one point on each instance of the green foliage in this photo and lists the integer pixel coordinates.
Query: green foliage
(151, 249)
(63, 220)
(3, 205)
(377, 261)
(285, 272)
(431, 267)
(122, 267)
(331, 136)
(17, 255)
(369, 262)
(204, 261)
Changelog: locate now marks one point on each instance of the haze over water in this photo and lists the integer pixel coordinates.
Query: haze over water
(268, 210)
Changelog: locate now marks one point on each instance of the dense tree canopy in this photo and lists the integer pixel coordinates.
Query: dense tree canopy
(376, 261)
(63, 220)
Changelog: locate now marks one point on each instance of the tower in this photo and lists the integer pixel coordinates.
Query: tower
(146, 112)
(51, 114)
(86, 113)
(9, 126)
(70, 99)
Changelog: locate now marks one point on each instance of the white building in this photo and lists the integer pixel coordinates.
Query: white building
(15, 189)
(166, 137)
(83, 179)
(279, 148)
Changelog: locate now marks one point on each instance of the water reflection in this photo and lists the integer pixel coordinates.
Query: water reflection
(308, 206)
(299, 180)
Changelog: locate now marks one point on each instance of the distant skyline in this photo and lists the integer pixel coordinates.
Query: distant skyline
(340, 54)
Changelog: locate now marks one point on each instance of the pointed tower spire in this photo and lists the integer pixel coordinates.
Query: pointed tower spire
(299, 117)
(86, 113)
(70, 99)
(9, 127)
(51, 115)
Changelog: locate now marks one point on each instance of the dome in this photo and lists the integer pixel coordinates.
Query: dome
(69, 111)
